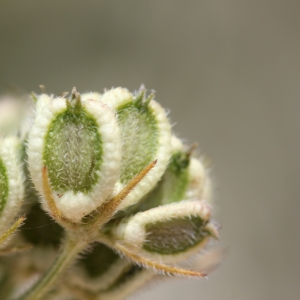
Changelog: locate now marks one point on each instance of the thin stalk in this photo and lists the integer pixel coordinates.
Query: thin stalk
(7, 234)
(70, 249)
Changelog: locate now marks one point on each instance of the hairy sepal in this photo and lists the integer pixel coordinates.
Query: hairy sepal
(146, 136)
(198, 183)
(184, 178)
(91, 96)
(11, 181)
(89, 149)
(199, 186)
(169, 233)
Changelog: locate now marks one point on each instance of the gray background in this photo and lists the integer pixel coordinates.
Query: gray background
(229, 72)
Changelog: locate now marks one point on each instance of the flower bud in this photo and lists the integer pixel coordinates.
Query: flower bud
(146, 136)
(79, 144)
(11, 181)
(199, 186)
(185, 178)
(168, 233)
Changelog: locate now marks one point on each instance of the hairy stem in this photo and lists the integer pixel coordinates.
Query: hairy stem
(70, 249)
(7, 234)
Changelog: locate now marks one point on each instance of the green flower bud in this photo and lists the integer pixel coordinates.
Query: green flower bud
(169, 233)
(184, 178)
(79, 144)
(146, 136)
(11, 181)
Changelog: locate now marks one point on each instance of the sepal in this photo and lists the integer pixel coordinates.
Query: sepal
(78, 142)
(185, 178)
(169, 233)
(11, 182)
(146, 136)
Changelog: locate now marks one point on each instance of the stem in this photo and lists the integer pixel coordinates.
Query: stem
(70, 249)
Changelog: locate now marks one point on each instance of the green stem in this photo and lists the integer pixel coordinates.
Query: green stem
(70, 249)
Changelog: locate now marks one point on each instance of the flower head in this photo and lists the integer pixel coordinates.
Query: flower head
(108, 169)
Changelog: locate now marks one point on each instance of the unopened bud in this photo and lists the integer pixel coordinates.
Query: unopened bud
(79, 144)
(11, 181)
(146, 136)
(168, 233)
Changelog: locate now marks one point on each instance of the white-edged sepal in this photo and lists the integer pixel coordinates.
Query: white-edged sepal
(79, 144)
(169, 233)
(146, 137)
(199, 186)
(184, 178)
(11, 181)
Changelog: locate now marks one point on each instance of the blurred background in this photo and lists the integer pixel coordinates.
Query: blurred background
(229, 71)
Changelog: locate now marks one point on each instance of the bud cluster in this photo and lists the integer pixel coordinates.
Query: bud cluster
(101, 175)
